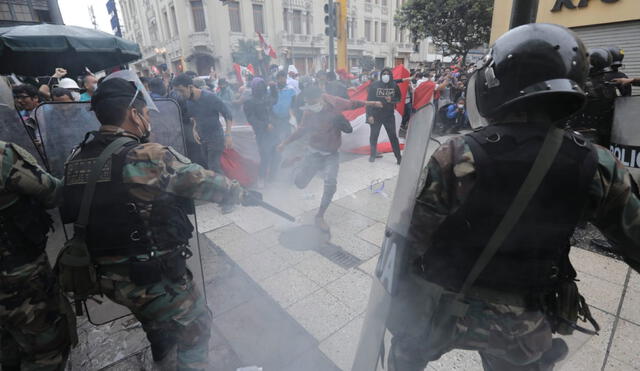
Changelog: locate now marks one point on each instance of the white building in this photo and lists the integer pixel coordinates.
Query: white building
(200, 34)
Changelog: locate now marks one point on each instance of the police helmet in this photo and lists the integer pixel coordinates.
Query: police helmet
(599, 58)
(617, 56)
(532, 67)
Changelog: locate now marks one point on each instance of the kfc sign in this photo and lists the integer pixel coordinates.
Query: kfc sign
(570, 4)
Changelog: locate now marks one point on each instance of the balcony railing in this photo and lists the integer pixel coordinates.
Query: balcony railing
(199, 39)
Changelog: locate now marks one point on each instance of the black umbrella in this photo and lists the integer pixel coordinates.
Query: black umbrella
(37, 50)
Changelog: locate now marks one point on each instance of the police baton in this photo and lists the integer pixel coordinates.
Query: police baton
(254, 198)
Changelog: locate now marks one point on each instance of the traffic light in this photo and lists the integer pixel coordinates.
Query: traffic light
(331, 15)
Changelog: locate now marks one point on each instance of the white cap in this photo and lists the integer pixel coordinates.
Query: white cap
(68, 83)
(293, 69)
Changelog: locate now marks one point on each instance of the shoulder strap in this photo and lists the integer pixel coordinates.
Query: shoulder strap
(544, 160)
(87, 196)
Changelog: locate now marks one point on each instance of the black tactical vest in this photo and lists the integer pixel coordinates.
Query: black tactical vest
(121, 224)
(538, 246)
(23, 229)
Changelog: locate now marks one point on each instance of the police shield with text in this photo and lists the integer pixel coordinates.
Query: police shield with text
(485, 264)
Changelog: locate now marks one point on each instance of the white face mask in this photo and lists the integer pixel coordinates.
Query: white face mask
(461, 106)
(385, 78)
(94, 87)
(316, 107)
(75, 95)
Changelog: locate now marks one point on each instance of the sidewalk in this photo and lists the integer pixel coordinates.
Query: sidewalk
(296, 309)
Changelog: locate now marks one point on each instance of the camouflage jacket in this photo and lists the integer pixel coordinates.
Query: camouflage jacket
(612, 206)
(20, 174)
(158, 168)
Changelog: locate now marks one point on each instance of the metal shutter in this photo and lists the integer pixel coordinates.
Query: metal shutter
(625, 35)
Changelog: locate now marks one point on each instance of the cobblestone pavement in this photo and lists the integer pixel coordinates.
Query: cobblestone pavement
(284, 306)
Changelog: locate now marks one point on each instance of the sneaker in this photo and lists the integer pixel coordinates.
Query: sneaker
(379, 155)
(322, 224)
(399, 160)
(372, 158)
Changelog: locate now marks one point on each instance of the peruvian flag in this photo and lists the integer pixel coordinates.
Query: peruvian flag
(423, 94)
(268, 49)
(358, 140)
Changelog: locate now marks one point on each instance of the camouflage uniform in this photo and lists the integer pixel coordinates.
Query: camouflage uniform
(171, 311)
(35, 332)
(508, 337)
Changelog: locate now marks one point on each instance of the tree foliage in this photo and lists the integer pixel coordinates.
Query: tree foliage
(456, 26)
(246, 53)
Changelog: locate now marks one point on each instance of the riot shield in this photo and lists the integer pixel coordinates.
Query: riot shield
(625, 138)
(13, 130)
(63, 126)
(385, 283)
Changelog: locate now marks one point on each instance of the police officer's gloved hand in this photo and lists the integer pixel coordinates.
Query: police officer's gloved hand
(250, 198)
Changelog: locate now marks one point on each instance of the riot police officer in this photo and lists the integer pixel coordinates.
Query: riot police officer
(617, 56)
(487, 266)
(596, 119)
(36, 334)
(138, 231)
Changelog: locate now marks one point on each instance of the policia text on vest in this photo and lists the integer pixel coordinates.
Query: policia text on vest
(628, 155)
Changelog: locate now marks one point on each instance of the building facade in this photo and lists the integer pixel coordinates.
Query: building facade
(17, 12)
(199, 35)
(599, 23)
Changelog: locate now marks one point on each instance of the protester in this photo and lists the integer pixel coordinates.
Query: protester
(205, 109)
(457, 116)
(321, 80)
(292, 76)
(388, 93)
(157, 88)
(257, 110)
(61, 95)
(72, 86)
(90, 84)
(324, 124)
(335, 87)
(26, 99)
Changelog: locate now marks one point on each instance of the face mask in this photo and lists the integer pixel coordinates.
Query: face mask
(460, 106)
(145, 133)
(385, 78)
(75, 95)
(94, 87)
(316, 107)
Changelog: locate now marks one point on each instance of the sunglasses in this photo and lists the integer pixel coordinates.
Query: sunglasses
(21, 96)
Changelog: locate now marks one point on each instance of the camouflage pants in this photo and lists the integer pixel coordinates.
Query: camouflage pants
(508, 338)
(171, 312)
(35, 332)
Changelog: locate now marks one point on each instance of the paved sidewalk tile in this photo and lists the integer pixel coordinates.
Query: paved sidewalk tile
(352, 289)
(631, 306)
(625, 343)
(598, 265)
(342, 345)
(321, 314)
(320, 269)
(289, 287)
(263, 265)
(374, 234)
(369, 266)
(355, 245)
(210, 218)
(463, 360)
(600, 293)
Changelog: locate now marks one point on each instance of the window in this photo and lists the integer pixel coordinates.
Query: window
(174, 21)
(297, 21)
(375, 31)
(5, 12)
(258, 19)
(384, 3)
(308, 23)
(23, 13)
(234, 16)
(401, 35)
(199, 23)
(350, 34)
(285, 19)
(167, 28)
(367, 30)
(383, 32)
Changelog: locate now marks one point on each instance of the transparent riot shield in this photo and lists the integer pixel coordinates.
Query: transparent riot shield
(63, 126)
(385, 283)
(625, 138)
(13, 129)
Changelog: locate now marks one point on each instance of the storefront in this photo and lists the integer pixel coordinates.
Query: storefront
(600, 23)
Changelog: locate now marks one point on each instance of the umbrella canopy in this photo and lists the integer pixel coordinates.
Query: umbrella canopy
(36, 50)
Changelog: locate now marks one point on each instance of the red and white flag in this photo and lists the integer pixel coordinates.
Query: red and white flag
(268, 49)
(423, 94)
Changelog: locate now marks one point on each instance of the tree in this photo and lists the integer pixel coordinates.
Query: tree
(246, 53)
(367, 63)
(456, 26)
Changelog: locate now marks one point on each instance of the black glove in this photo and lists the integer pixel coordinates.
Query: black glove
(250, 198)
